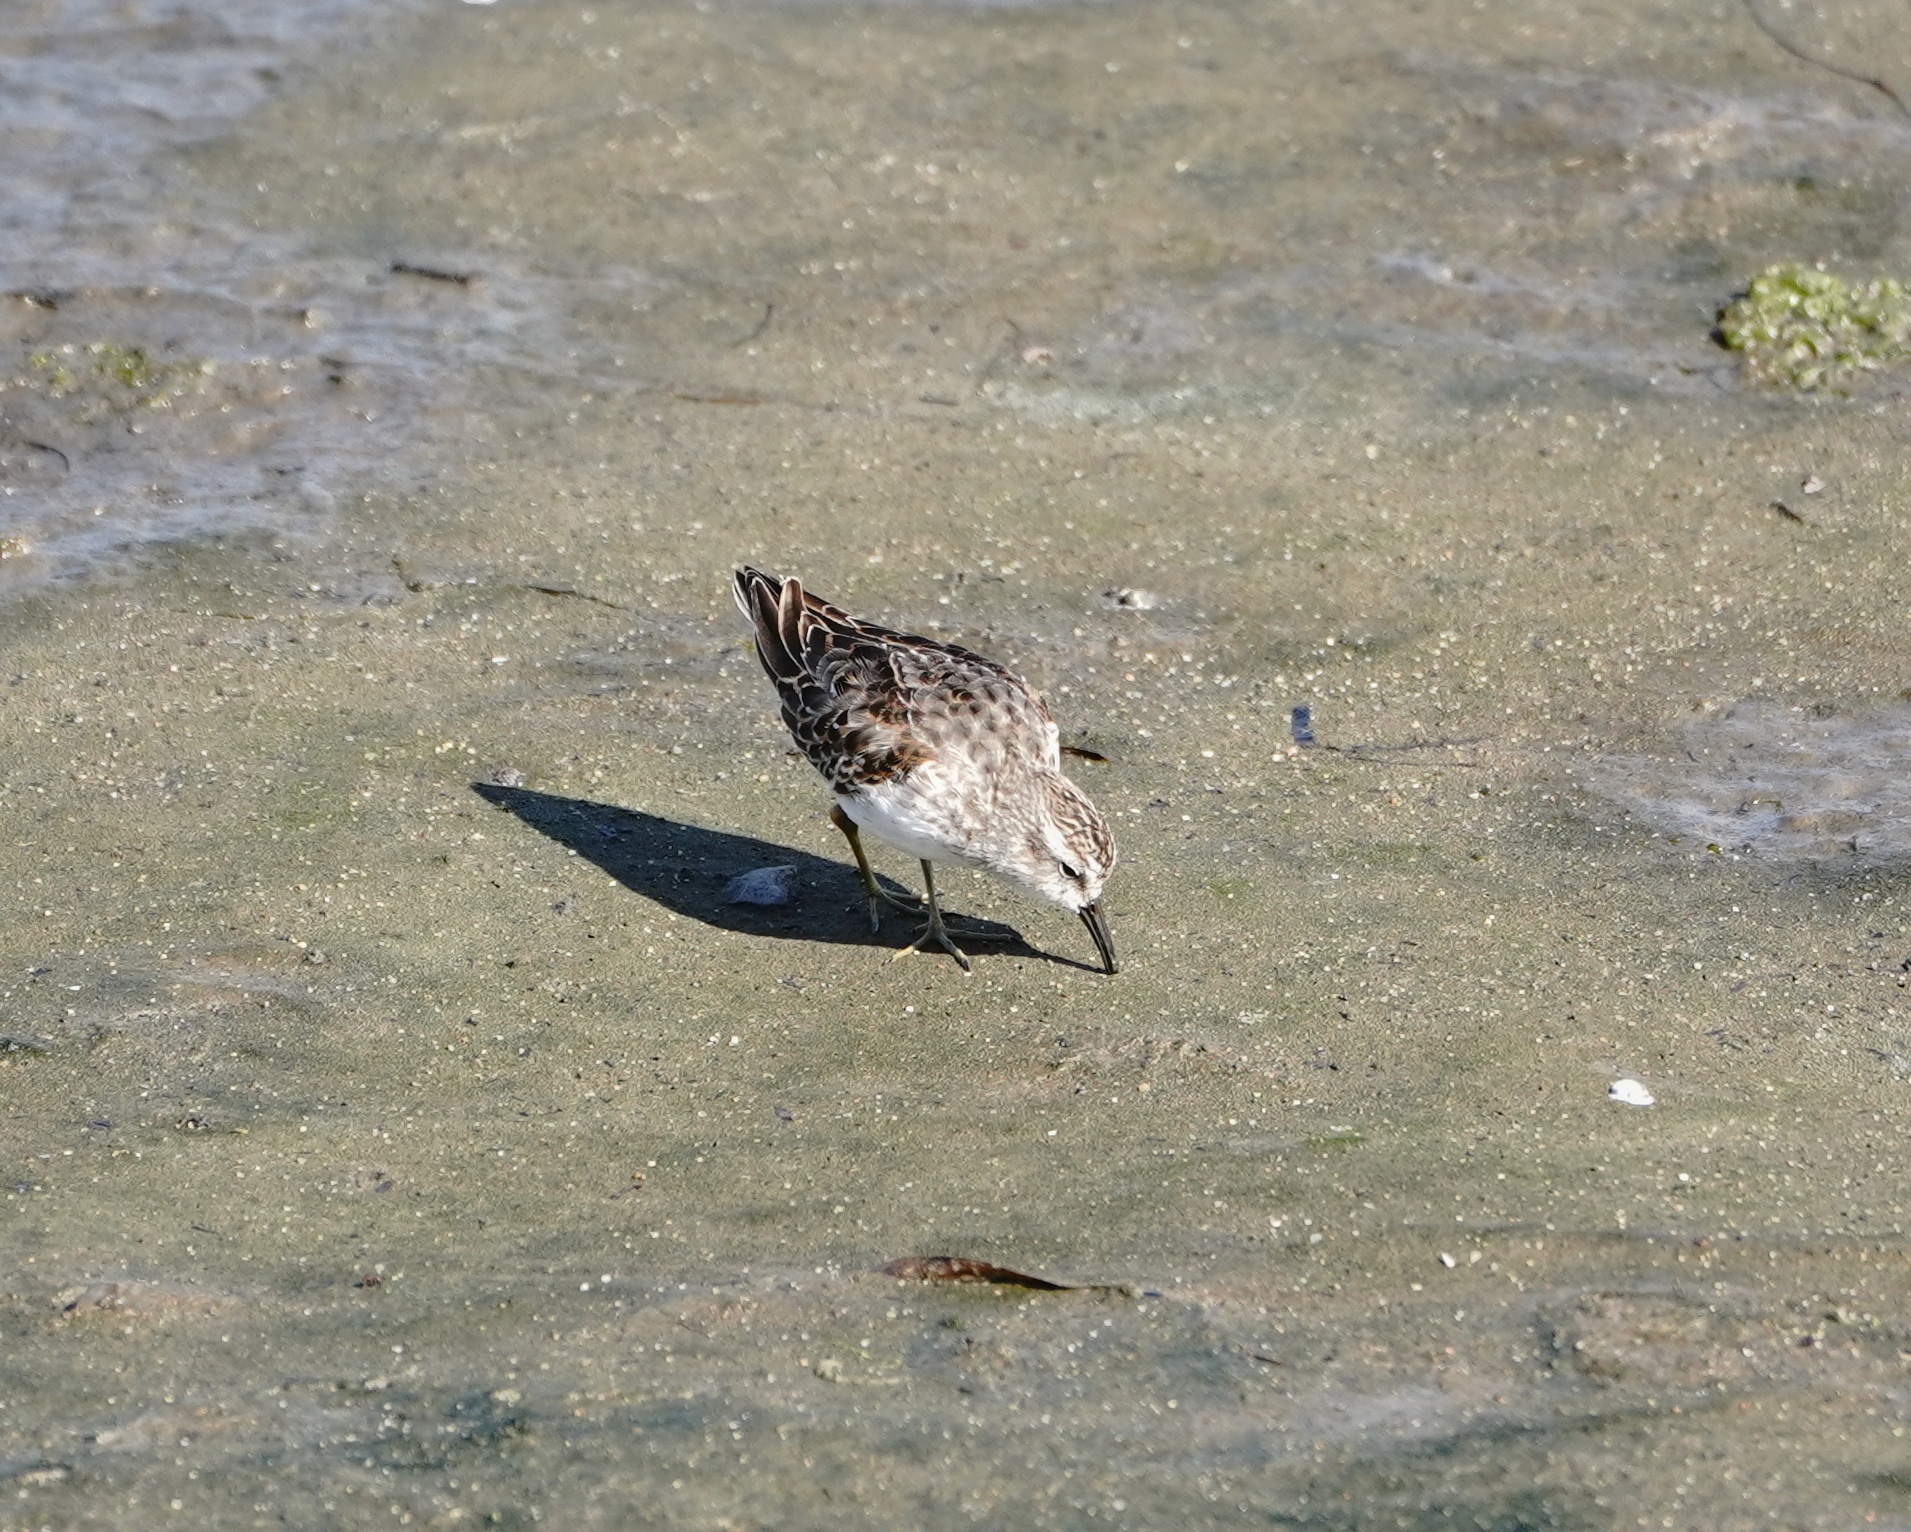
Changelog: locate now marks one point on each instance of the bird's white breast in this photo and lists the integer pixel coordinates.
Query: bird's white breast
(905, 814)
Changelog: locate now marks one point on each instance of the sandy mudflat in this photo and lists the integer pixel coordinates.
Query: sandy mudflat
(402, 1128)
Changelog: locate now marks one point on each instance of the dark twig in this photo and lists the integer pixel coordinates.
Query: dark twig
(1857, 75)
(1378, 752)
(962, 1268)
(575, 595)
(433, 273)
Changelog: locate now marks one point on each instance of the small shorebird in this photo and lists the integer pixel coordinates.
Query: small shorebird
(940, 752)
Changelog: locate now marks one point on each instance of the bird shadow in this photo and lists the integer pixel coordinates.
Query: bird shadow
(692, 871)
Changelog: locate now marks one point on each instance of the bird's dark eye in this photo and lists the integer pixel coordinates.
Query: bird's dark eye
(1070, 873)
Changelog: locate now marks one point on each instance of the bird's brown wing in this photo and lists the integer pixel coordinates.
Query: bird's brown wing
(863, 701)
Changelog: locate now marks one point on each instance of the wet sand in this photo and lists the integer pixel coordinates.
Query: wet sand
(402, 1125)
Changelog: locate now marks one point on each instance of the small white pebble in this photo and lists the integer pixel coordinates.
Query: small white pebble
(1629, 1092)
(1447, 1261)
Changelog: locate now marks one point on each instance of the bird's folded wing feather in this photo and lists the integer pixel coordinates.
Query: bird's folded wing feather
(853, 692)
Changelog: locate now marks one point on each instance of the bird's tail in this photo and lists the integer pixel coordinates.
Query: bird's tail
(761, 598)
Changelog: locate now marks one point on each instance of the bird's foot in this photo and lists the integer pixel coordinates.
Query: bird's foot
(935, 932)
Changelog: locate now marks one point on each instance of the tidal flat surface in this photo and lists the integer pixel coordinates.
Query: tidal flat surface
(402, 1125)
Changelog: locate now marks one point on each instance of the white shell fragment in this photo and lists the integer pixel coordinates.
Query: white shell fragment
(762, 885)
(1629, 1092)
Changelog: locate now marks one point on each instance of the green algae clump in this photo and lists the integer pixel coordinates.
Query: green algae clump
(104, 378)
(1806, 329)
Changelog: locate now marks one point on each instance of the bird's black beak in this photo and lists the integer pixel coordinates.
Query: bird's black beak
(1097, 924)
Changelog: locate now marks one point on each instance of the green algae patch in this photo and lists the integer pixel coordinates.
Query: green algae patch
(1803, 328)
(103, 378)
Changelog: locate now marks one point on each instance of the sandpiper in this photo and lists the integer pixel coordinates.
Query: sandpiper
(934, 749)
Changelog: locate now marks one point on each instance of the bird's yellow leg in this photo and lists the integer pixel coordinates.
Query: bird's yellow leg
(876, 891)
(934, 931)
